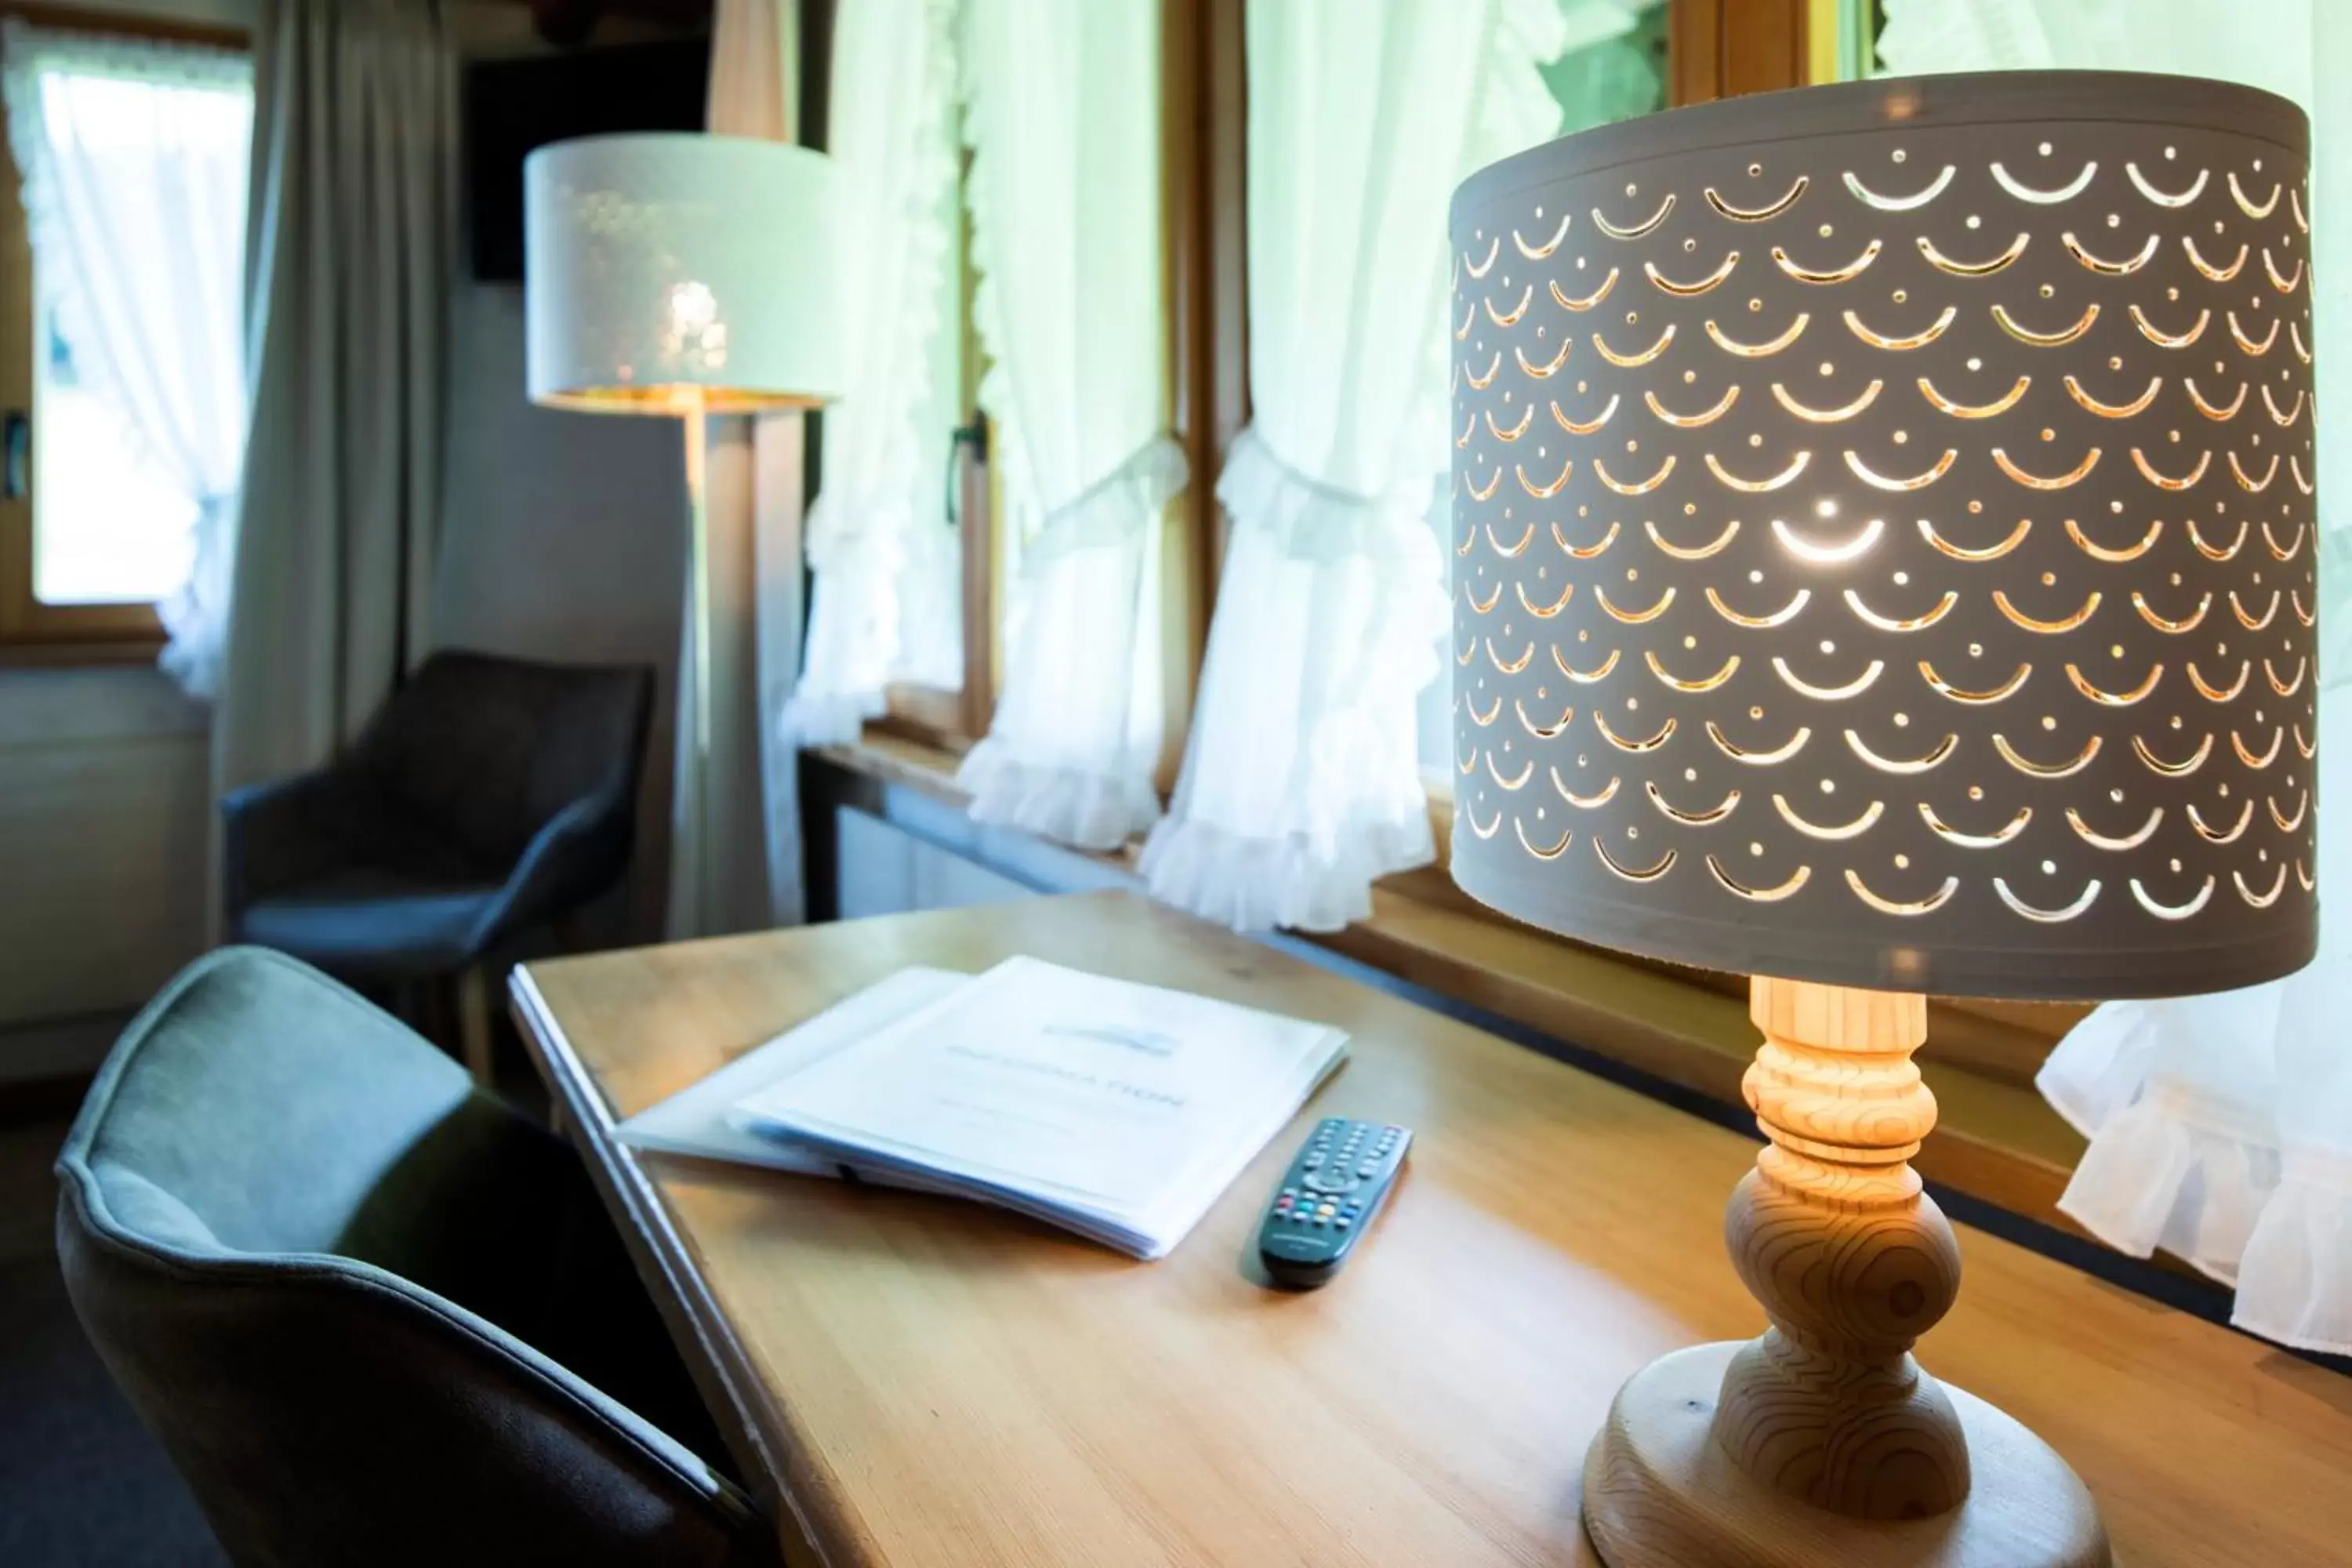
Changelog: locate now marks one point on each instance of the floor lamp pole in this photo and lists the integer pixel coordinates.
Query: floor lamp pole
(698, 454)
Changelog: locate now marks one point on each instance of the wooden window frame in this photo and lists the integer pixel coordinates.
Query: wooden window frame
(956, 719)
(31, 631)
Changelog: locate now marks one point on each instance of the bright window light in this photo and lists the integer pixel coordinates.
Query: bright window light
(112, 522)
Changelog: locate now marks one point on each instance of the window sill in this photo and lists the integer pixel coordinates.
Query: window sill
(63, 653)
(1997, 1140)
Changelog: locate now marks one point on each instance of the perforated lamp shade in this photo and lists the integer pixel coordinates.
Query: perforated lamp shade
(671, 272)
(1884, 543)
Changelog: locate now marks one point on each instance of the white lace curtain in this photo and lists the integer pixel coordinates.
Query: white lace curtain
(134, 155)
(1301, 783)
(876, 540)
(2220, 1127)
(1061, 114)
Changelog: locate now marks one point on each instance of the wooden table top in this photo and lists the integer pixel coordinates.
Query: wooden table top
(931, 1382)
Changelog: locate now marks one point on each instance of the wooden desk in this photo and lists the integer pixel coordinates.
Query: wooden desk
(918, 1380)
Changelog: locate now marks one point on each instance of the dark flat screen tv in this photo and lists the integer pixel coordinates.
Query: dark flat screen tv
(514, 105)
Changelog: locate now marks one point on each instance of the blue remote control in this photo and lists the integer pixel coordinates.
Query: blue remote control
(1328, 1198)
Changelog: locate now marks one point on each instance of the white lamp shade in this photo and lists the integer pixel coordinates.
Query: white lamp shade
(674, 272)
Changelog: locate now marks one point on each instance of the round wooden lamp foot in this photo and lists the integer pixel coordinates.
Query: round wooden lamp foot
(1661, 1492)
(1823, 1443)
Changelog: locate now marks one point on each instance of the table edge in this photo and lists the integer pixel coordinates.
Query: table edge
(764, 1449)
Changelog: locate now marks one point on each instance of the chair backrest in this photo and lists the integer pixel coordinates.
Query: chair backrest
(487, 748)
(263, 1170)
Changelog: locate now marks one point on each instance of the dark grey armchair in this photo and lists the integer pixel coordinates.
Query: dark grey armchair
(490, 795)
(373, 1316)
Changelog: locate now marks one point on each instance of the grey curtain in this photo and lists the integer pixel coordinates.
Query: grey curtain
(349, 257)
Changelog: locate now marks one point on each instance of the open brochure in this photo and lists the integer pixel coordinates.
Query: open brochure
(1116, 1110)
(698, 1120)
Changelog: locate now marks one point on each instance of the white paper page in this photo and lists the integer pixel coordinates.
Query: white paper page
(1089, 1092)
(695, 1120)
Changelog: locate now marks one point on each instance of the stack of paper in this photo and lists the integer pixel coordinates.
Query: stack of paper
(1116, 1111)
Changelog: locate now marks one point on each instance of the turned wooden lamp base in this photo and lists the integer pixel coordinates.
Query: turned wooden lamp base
(1661, 1492)
(1823, 1443)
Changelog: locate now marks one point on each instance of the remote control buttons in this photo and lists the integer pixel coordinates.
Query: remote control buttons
(1339, 1180)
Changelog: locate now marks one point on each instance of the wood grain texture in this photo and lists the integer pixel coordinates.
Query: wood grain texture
(1823, 1441)
(1722, 48)
(916, 1381)
(1661, 1491)
(1850, 1259)
(474, 1038)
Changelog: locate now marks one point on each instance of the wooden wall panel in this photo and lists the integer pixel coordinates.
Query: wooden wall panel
(105, 810)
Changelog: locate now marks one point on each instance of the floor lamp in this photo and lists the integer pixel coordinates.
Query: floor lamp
(682, 275)
(1884, 564)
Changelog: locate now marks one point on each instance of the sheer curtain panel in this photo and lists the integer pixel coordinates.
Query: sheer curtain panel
(2220, 1127)
(891, 128)
(1301, 781)
(1061, 114)
(133, 155)
(349, 257)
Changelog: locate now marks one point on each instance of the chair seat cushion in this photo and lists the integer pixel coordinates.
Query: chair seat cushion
(372, 923)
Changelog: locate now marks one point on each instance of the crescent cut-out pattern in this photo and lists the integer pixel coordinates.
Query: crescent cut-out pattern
(1954, 512)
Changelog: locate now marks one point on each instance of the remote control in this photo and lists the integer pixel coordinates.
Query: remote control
(1328, 1199)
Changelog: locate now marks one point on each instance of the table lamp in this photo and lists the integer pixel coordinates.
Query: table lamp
(1884, 564)
(681, 274)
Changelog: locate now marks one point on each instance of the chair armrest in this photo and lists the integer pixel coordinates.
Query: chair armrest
(581, 851)
(282, 834)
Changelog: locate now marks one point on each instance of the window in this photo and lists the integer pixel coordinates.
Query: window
(942, 687)
(1590, 62)
(1042, 265)
(121, 318)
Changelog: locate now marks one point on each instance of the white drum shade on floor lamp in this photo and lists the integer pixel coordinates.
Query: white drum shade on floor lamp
(674, 272)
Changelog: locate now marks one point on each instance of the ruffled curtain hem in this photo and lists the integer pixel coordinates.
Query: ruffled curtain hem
(2157, 1176)
(829, 717)
(2294, 1284)
(1072, 805)
(1308, 520)
(1354, 776)
(1259, 884)
(1101, 805)
(1115, 508)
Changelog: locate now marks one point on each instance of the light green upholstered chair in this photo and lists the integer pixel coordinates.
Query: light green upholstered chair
(374, 1316)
